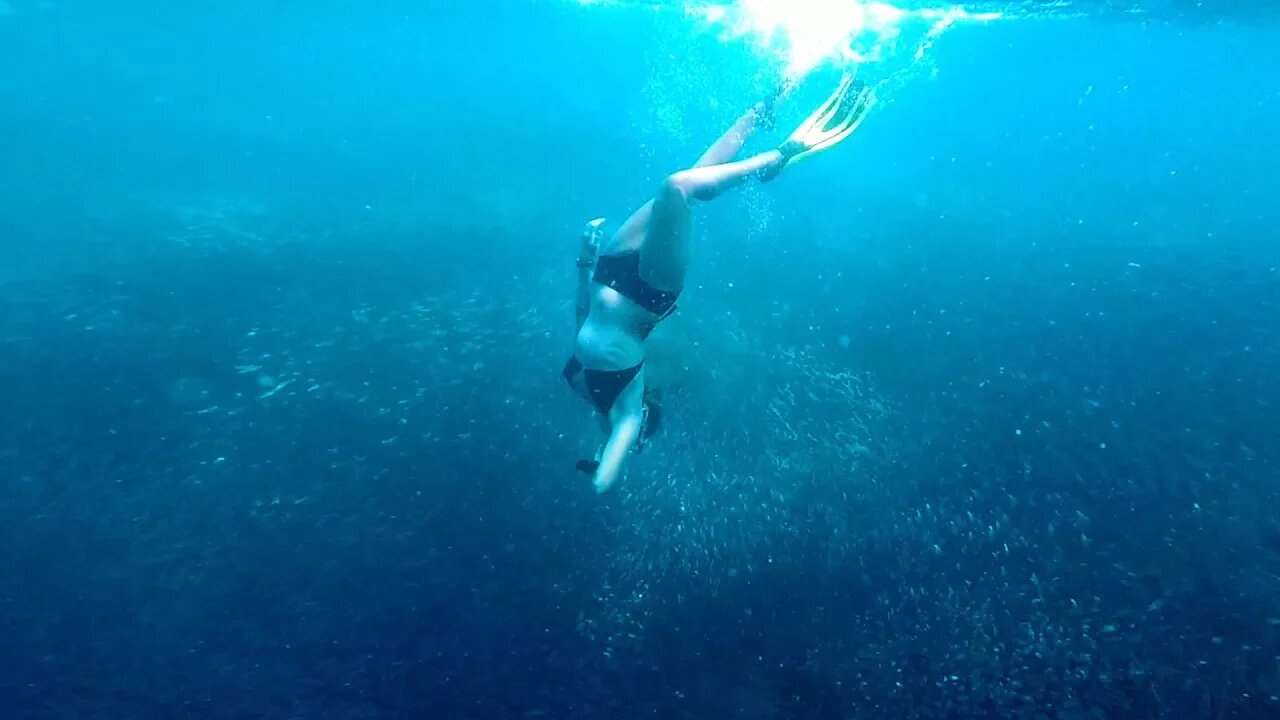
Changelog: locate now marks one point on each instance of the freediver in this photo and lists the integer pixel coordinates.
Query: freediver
(630, 283)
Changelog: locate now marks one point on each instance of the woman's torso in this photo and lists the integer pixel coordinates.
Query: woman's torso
(613, 335)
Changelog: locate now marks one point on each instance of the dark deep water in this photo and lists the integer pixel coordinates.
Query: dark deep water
(974, 417)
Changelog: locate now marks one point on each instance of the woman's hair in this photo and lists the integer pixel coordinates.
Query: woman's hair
(653, 403)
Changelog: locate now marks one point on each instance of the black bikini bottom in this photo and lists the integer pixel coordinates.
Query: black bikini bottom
(603, 386)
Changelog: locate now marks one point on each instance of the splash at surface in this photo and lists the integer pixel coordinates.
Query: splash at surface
(802, 35)
(805, 34)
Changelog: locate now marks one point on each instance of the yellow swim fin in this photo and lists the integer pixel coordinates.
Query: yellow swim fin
(833, 121)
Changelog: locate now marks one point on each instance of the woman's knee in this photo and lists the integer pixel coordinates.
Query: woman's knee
(685, 185)
(678, 186)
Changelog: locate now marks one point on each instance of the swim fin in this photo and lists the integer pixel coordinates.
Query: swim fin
(833, 121)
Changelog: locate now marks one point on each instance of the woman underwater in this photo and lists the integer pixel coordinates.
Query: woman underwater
(630, 283)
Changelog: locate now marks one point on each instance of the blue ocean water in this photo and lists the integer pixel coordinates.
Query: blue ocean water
(973, 416)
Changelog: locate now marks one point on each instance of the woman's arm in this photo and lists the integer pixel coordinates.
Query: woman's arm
(626, 431)
(586, 263)
(626, 423)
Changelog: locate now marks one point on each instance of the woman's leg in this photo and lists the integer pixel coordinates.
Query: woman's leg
(665, 245)
(664, 254)
(631, 235)
(728, 145)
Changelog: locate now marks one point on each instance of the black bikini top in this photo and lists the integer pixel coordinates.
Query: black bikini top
(621, 271)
